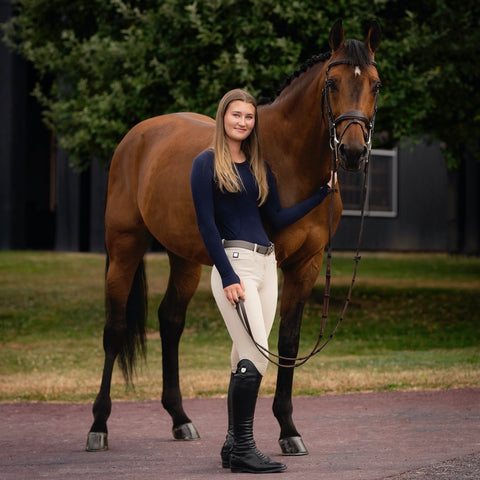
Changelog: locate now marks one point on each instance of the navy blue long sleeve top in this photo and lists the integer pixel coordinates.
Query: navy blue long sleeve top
(237, 216)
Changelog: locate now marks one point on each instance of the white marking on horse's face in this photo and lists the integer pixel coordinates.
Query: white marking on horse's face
(357, 71)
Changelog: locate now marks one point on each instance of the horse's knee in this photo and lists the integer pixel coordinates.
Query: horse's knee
(113, 338)
(171, 318)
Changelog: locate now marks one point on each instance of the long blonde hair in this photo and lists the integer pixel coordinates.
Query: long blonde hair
(226, 173)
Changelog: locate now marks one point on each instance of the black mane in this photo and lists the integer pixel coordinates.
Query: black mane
(323, 57)
(356, 53)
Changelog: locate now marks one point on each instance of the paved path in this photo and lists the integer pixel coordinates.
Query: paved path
(394, 435)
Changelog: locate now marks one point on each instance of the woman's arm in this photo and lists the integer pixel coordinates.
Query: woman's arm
(279, 217)
(201, 182)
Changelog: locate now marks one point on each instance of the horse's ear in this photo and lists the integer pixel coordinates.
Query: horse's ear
(336, 35)
(374, 36)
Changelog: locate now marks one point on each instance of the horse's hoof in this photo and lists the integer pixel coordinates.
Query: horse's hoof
(187, 431)
(293, 446)
(96, 442)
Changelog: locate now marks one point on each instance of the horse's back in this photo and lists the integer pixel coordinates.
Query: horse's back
(149, 180)
(172, 134)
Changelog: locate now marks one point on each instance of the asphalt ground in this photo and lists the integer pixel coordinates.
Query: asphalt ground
(427, 435)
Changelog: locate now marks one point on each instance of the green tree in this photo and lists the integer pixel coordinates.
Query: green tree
(429, 67)
(105, 65)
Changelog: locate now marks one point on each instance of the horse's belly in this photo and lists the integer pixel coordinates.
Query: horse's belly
(164, 194)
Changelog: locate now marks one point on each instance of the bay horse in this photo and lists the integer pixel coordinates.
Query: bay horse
(328, 104)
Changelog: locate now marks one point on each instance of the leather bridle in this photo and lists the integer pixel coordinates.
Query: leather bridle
(353, 117)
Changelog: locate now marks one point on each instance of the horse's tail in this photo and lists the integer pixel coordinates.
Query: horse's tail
(134, 340)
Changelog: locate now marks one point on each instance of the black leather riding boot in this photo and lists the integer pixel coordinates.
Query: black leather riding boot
(228, 445)
(245, 456)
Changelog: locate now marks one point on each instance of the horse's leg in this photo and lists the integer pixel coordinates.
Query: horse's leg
(183, 281)
(124, 281)
(297, 286)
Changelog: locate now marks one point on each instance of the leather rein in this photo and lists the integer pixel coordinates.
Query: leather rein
(367, 126)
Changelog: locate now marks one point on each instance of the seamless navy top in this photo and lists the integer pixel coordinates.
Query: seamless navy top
(236, 216)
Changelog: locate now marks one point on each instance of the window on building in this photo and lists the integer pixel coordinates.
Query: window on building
(382, 190)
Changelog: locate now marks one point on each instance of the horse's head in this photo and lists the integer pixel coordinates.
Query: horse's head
(350, 95)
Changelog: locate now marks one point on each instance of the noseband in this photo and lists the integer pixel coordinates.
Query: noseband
(354, 117)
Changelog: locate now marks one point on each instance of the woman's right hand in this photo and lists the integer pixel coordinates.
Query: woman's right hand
(235, 292)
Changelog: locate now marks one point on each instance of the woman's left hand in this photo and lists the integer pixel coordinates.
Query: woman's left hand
(333, 179)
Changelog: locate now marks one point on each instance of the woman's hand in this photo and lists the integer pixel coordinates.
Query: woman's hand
(333, 179)
(235, 292)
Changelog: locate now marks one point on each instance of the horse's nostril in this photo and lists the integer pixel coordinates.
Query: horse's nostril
(352, 158)
(352, 154)
(346, 153)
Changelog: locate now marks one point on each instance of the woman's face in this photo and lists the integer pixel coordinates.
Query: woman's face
(239, 120)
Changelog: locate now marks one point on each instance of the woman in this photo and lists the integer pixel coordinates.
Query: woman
(234, 192)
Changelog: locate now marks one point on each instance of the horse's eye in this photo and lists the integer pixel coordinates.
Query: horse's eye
(376, 87)
(332, 84)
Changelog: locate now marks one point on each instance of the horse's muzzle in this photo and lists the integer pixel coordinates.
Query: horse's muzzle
(352, 158)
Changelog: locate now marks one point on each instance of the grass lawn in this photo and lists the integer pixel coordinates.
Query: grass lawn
(413, 323)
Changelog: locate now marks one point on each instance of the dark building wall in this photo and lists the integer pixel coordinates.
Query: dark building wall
(68, 192)
(98, 196)
(26, 203)
(471, 207)
(80, 224)
(421, 223)
(11, 153)
(464, 208)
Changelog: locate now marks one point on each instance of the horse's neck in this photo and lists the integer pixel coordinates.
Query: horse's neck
(295, 137)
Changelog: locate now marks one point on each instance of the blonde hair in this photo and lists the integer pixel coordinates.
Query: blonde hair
(226, 173)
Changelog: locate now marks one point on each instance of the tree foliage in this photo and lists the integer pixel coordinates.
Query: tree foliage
(105, 65)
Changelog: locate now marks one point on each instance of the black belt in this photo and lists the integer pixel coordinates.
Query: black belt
(249, 246)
